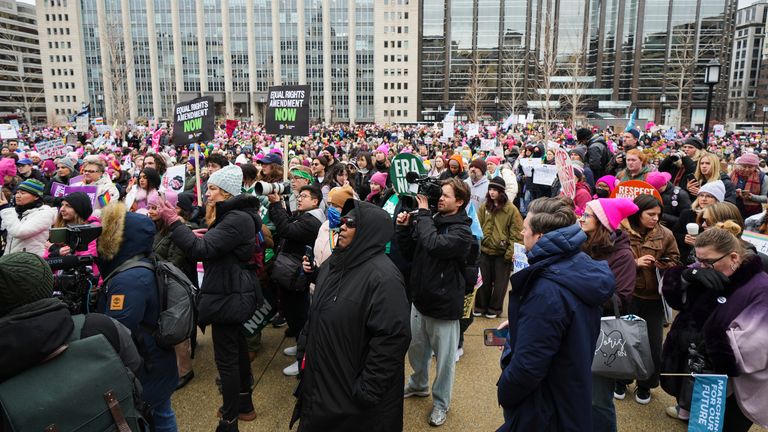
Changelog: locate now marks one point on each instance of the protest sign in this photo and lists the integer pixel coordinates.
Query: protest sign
(469, 299)
(262, 316)
(288, 110)
(545, 175)
(7, 132)
(173, 179)
(633, 188)
(51, 149)
(402, 164)
(759, 241)
(520, 259)
(719, 130)
(565, 173)
(75, 180)
(91, 191)
(81, 124)
(14, 124)
(708, 403)
(528, 164)
(447, 129)
(193, 121)
(473, 129)
(58, 190)
(487, 144)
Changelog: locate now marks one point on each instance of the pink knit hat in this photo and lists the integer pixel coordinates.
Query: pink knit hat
(380, 178)
(748, 159)
(658, 179)
(611, 211)
(384, 148)
(610, 180)
(493, 159)
(7, 168)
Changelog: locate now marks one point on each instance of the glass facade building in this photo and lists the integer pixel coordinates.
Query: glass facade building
(618, 54)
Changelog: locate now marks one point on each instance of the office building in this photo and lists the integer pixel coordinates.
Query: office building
(746, 59)
(536, 55)
(21, 77)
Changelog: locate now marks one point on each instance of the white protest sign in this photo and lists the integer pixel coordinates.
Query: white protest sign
(520, 259)
(447, 129)
(545, 175)
(51, 149)
(760, 241)
(521, 119)
(529, 118)
(7, 132)
(528, 164)
(174, 179)
(719, 130)
(473, 129)
(487, 144)
(81, 123)
(14, 124)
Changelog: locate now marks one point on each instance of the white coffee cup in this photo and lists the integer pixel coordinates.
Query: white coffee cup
(693, 229)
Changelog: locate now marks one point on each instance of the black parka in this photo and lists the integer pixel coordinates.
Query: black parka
(357, 335)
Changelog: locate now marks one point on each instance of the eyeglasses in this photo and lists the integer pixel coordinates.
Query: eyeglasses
(304, 196)
(349, 222)
(585, 216)
(709, 262)
(90, 171)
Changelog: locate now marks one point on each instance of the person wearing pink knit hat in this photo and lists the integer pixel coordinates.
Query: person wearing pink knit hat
(751, 185)
(599, 222)
(378, 188)
(604, 186)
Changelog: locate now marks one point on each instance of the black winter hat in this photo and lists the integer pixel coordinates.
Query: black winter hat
(583, 134)
(185, 202)
(498, 183)
(694, 142)
(80, 203)
(24, 278)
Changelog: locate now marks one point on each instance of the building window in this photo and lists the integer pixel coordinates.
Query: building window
(405, 113)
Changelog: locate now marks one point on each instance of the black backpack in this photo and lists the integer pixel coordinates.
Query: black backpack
(178, 300)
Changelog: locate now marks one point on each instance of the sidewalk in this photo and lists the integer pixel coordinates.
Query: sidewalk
(473, 408)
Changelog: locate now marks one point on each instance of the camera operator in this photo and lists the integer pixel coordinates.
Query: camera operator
(295, 233)
(75, 209)
(437, 245)
(28, 223)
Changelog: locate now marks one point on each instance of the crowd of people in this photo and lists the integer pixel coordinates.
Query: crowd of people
(364, 278)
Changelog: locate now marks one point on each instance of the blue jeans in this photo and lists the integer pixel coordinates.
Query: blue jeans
(441, 337)
(164, 418)
(603, 410)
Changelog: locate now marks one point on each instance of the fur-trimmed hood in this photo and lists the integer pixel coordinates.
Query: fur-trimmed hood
(123, 235)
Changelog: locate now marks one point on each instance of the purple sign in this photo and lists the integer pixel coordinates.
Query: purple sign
(58, 190)
(91, 191)
(78, 179)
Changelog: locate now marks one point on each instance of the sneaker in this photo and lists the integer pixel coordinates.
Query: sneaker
(619, 391)
(677, 413)
(278, 321)
(642, 395)
(291, 351)
(292, 370)
(490, 316)
(438, 416)
(409, 392)
(459, 353)
(477, 313)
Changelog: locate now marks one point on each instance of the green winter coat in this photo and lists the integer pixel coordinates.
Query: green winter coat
(501, 230)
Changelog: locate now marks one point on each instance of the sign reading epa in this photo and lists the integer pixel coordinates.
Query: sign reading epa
(288, 110)
(193, 121)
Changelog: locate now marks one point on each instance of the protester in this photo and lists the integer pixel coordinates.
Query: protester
(709, 194)
(379, 190)
(364, 173)
(354, 348)
(319, 166)
(708, 170)
(26, 170)
(145, 190)
(501, 224)
(726, 285)
(230, 291)
(477, 182)
(750, 184)
(455, 169)
(654, 248)
(682, 166)
(300, 176)
(94, 175)
(438, 166)
(637, 167)
(604, 186)
(543, 366)
(156, 162)
(27, 223)
(676, 200)
(328, 234)
(598, 155)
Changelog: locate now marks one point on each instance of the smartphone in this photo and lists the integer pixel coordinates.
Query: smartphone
(664, 259)
(58, 235)
(495, 337)
(309, 252)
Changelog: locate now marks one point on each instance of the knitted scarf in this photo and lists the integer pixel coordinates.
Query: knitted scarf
(751, 184)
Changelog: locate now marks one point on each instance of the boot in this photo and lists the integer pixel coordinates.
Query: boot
(227, 426)
(245, 408)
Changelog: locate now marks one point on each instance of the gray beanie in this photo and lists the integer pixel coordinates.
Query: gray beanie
(67, 162)
(229, 179)
(716, 189)
(24, 278)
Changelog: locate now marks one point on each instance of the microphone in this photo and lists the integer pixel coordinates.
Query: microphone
(412, 176)
(69, 261)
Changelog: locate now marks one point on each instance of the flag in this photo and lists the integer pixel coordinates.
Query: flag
(231, 126)
(105, 199)
(508, 122)
(156, 139)
(84, 112)
(451, 114)
(632, 120)
(708, 403)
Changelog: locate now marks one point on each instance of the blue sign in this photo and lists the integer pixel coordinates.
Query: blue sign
(708, 404)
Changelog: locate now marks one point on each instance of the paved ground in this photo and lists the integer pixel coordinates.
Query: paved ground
(473, 407)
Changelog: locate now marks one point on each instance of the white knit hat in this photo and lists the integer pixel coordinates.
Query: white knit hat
(229, 179)
(716, 189)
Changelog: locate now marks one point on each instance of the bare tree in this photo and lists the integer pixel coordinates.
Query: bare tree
(575, 85)
(546, 66)
(512, 79)
(682, 67)
(30, 94)
(117, 73)
(476, 90)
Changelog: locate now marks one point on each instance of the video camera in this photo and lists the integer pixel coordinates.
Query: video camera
(428, 186)
(264, 188)
(73, 284)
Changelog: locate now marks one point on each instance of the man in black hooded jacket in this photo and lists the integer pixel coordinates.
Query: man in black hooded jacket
(354, 343)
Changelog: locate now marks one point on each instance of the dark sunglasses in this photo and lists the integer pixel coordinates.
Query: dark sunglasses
(349, 222)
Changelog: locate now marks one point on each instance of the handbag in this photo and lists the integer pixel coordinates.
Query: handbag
(623, 350)
(287, 272)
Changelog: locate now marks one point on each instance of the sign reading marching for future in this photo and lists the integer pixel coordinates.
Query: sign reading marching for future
(708, 403)
(288, 110)
(193, 121)
(402, 164)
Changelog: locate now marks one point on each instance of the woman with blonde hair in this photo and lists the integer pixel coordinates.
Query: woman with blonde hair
(708, 170)
(718, 297)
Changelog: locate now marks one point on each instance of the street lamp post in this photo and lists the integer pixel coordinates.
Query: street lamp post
(662, 101)
(496, 102)
(765, 110)
(263, 113)
(711, 78)
(331, 122)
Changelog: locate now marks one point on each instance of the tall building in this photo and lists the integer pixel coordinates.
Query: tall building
(747, 53)
(21, 77)
(143, 56)
(604, 57)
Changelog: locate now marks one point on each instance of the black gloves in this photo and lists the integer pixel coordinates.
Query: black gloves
(708, 278)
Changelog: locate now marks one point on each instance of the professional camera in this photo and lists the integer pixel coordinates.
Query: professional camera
(676, 156)
(264, 188)
(428, 186)
(75, 277)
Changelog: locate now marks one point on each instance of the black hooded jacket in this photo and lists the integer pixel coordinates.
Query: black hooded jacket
(357, 335)
(230, 290)
(437, 247)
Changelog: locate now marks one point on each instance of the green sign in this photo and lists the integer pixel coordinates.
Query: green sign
(402, 164)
